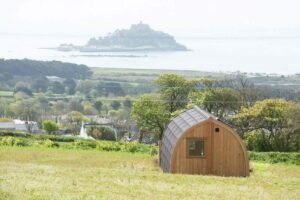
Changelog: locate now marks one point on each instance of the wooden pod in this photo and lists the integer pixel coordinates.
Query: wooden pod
(195, 142)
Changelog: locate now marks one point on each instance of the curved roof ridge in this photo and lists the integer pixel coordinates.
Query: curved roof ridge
(204, 113)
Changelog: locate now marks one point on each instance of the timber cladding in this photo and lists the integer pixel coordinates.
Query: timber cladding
(195, 142)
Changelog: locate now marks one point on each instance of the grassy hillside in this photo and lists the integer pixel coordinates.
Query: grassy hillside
(42, 173)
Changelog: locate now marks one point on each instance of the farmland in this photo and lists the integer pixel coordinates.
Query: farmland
(57, 173)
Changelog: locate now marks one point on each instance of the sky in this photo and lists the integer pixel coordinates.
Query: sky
(191, 18)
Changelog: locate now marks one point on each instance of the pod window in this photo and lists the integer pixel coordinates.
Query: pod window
(196, 147)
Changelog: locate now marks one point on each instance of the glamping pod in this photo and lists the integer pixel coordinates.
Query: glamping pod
(195, 142)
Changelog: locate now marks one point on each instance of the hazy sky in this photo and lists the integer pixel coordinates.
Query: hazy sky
(178, 17)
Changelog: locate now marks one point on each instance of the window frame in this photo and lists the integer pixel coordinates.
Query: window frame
(204, 139)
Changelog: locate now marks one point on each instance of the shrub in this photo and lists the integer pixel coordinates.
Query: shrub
(11, 141)
(62, 138)
(21, 142)
(85, 144)
(153, 150)
(132, 147)
(50, 144)
(13, 134)
(49, 126)
(257, 141)
(276, 157)
(108, 146)
(102, 133)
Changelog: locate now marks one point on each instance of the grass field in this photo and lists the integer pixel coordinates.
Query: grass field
(45, 173)
(6, 94)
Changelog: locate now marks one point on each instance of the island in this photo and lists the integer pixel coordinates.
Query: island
(140, 37)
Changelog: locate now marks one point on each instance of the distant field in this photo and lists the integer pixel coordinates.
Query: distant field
(153, 72)
(6, 94)
(42, 173)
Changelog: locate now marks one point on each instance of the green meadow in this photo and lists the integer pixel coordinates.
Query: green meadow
(59, 173)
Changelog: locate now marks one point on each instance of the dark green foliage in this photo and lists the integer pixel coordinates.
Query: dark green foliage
(40, 85)
(256, 141)
(98, 105)
(127, 103)
(34, 68)
(115, 104)
(13, 134)
(70, 86)
(57, 88)
(109, 88)
(102, 133)
(276, 157)
(23, 88)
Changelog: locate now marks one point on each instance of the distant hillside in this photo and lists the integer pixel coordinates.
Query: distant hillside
(34, 68)
(140, 37)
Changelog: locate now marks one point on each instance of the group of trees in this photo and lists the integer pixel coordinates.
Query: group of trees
(33, 68)
(270, 125)
(266, 124)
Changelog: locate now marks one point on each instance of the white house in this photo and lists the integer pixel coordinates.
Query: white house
(18, 125)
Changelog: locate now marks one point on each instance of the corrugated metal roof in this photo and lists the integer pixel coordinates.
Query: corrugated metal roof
(176, 128)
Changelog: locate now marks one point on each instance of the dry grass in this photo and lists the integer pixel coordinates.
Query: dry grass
(41, 173)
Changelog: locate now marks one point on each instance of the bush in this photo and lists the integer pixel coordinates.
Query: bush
(13, 134)
(108, 146)
(276, 157)
(62, 138)
(257, 141)
(102, 133)
(11, 141)
(85, 144)
(131, 147)
(153, 150)
(50, 144)
(50, 126)
(282, 141)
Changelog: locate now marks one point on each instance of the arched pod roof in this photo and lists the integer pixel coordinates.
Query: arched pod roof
(176, 128)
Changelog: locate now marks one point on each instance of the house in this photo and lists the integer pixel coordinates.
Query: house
(19, 125)
(196, 142)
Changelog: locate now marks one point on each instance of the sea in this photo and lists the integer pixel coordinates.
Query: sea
(271, 55)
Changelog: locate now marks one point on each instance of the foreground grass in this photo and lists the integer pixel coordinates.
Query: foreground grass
(41, 173)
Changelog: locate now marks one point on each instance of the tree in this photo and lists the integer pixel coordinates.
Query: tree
(57, 88)
(269, 114)
(247, 91)
(222, 102)
(98, 105)
(22, 87)
(115, 104)
(70, 86)
(73, 121)
(28, 111)
(148, 112)
(174, 91)
(110, 88)
(85, 86)
(49, 126)
(40, 85)
(75, 105)
(271, 121)
(127, 103)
